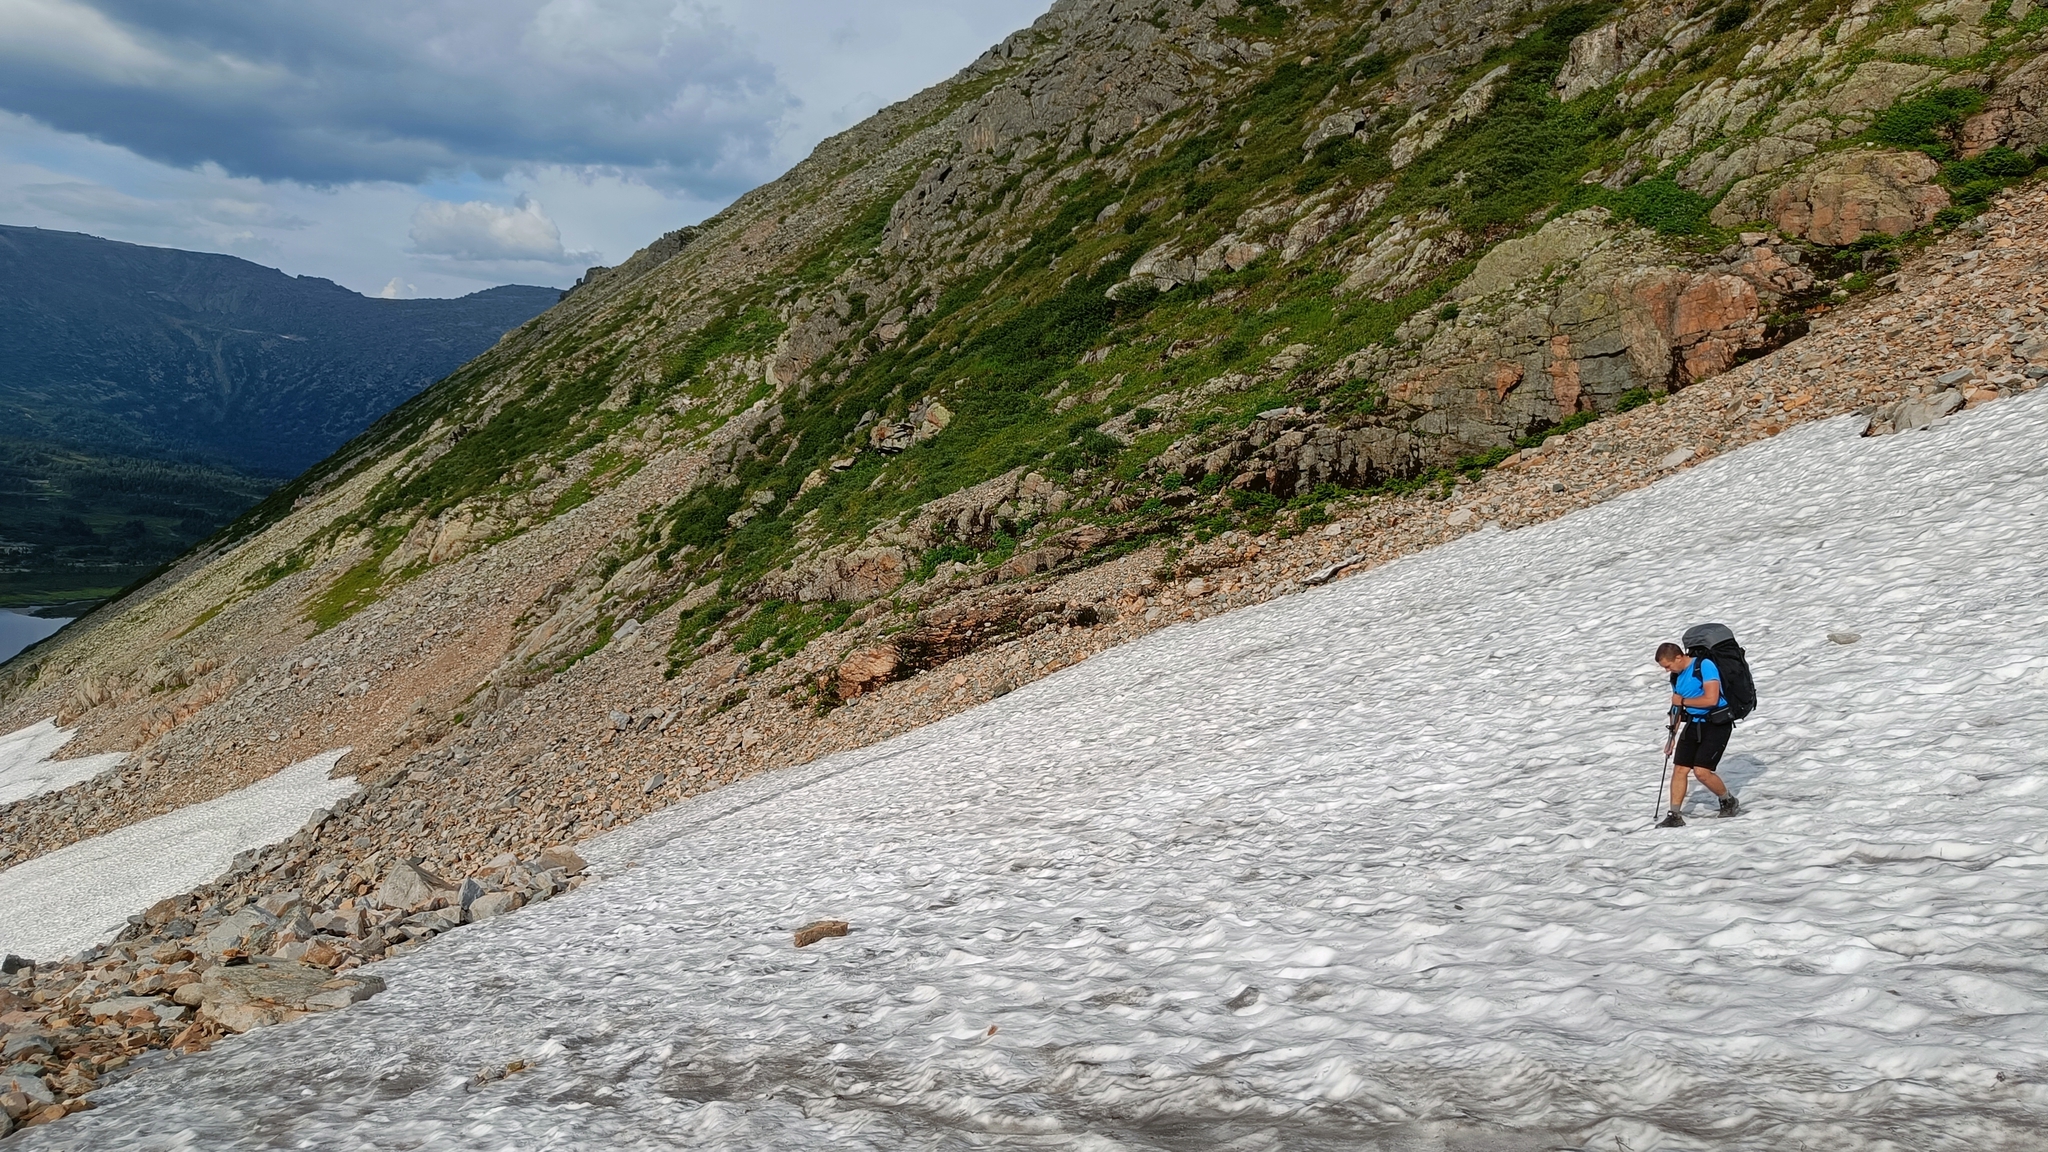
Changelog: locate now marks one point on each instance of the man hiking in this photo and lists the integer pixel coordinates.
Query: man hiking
(1701, 722)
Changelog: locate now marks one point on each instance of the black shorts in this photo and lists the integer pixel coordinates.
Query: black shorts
(1701, 745)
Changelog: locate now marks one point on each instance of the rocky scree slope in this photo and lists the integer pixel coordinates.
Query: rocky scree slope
(1152, 311)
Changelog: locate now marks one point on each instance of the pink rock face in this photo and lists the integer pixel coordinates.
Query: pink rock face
(1712, 319)
(868, 669)
(1506, 375)
(1702, 321)
(1854, 194)
(1564, 375)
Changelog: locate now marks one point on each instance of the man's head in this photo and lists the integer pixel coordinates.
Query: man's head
(1671, 657)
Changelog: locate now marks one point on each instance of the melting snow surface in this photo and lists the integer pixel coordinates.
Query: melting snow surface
(1365, 867)
(75, 897)
(26, 768)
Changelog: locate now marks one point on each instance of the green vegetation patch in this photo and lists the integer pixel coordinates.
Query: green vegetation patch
(779, 629)
(1526, 154)
(1658, 203)
(355, 590)
(1928, 121)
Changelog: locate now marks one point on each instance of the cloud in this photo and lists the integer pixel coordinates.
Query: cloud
(481, 231)
(327, 92)
(97, 203)
(257, 128)
(398, 289)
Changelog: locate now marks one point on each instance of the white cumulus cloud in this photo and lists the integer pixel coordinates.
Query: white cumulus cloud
(482, 231)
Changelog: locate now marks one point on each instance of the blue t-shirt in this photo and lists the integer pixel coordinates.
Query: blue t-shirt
(1692, 684)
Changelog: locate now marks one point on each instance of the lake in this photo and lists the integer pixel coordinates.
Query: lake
(18, 630)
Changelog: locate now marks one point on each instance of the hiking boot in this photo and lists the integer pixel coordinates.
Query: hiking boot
(1672, 820)
(1730, 806)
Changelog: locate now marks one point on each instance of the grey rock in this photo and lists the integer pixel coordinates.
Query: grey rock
(353, 990)
(435, 920)
(408, 886)
(120, 1006)
(338, 923)
(492, 904)
(467, 894)
(250, 929)
(1955, 377)
(1844, 637)
(26, 1043)
(250, 996)
(31, 1087)
(1925, 411)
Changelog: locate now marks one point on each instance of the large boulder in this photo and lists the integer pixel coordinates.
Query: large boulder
(1947, 30)
(246, 996)
(410, 886)
(1563, 321)
(868, 669)
(1607, 53)
(1849, 195)
(249, 930)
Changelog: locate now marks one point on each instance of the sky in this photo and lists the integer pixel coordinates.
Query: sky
(436, 147)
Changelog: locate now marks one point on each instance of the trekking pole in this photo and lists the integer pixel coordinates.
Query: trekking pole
(1664, 772)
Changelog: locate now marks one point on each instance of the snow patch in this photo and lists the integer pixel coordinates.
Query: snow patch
(26, 768)
(1366, 867)
(78, 896)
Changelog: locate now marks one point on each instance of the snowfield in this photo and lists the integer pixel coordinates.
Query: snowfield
(26, 769)
(1365, 867)
(80, 895)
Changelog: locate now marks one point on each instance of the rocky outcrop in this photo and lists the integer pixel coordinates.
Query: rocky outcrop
(1849, 195)
(1696, 322)
(1613, 50)
(1410, 252)
(1425, 131)
(974, 513)
(927, 418)
(1947, 30)
(1287, 451)
(857, 576)
(2015, 115)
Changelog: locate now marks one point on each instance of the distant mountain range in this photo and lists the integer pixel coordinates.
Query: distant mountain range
(153, 350)
(148, 395)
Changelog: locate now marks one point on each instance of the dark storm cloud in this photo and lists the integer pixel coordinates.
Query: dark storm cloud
(325, 92)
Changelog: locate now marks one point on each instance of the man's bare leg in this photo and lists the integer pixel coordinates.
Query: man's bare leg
(1681, 774)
